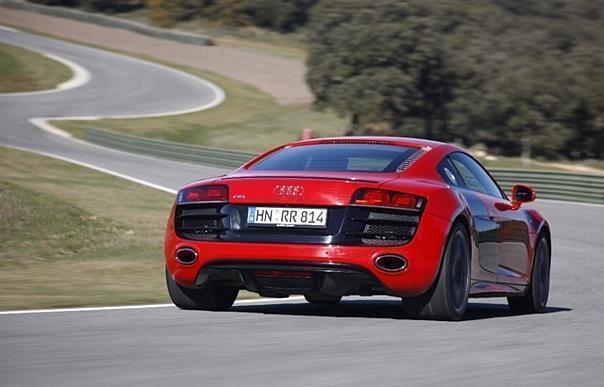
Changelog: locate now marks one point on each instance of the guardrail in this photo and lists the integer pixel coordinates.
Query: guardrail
(167, 149)
(557, 185)
(554, 184)
(109, 21)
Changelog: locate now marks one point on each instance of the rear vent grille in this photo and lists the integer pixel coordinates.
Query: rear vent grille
(199, 221)
(386, 227)
(410, 160)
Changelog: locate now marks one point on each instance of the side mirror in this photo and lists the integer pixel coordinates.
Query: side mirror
(522, 194)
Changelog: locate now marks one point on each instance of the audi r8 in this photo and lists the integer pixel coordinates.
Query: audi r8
(332, 217)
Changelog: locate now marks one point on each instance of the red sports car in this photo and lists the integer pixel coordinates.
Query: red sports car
(326, 218)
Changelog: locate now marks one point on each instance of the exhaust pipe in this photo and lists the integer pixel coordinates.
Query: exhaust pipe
(391, 263)
(186, 256)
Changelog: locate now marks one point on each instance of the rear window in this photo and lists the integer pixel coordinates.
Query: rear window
(337, 157)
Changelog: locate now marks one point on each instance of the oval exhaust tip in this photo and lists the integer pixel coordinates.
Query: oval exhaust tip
(186, 256)
(391, 263)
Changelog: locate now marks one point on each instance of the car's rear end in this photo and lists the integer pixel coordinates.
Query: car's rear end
(324, 219)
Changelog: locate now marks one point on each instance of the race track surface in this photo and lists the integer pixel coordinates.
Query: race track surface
(119, 86)
(362, 341)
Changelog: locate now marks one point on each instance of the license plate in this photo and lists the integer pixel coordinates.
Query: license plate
(287, 217)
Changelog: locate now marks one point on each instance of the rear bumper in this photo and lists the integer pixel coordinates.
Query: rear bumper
(282, 278)
(423, 255)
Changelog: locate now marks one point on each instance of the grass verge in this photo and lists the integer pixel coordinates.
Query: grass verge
(24, 70)
(71, 236)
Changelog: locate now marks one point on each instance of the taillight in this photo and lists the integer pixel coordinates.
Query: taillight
(380, 197)
(207, 193)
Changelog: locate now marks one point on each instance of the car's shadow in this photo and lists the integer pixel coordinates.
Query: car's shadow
(387, 309)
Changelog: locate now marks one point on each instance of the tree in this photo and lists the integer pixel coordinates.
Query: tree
(381, 64)
(279, 15)
(166, 13)
(521, 76)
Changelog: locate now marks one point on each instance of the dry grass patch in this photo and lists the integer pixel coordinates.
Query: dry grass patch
(24, 70)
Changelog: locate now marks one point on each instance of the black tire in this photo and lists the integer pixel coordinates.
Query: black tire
(535, 298)
(322, 300)
(211, 297)
(448, 297)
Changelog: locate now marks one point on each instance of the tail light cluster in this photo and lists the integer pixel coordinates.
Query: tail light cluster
(201, 194)
(383, 198)
(385, 218)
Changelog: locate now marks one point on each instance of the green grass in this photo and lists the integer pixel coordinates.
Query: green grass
(23, 70)
(70, 236)
(248, 119)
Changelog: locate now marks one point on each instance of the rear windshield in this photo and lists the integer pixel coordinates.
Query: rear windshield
(337, 157)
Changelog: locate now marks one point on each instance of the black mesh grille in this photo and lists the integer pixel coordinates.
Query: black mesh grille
(199, 221)
(386, 230)
(193, 223)
(392, 217)
(199, 211)
(386, 227)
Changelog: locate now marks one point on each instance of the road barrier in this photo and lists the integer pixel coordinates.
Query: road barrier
(553, 184)
(168, 150)
(109, 21)
(557, 185)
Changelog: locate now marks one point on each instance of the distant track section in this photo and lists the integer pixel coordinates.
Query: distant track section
(108, 21)
(118, 86)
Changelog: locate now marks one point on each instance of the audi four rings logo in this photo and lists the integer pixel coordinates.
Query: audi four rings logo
(289, 190)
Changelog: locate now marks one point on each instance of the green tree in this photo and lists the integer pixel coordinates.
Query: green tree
(279, 15)
(166, 13)
(382, 64)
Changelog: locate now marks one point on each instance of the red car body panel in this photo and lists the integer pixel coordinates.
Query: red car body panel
(335, 189)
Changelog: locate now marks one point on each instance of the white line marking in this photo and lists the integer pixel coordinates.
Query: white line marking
(99, 169)
(80, 77)
(9, 29)
(151, 306)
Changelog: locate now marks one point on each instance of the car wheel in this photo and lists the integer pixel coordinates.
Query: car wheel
(535, 299)
(448, 297)
(210, 297)
(322, 300)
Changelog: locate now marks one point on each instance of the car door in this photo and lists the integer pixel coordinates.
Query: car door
(485, 265)
(514, 244)
(512, 232)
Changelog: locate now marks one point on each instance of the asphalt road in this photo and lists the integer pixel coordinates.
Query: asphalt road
(359, 342)
(118, 86)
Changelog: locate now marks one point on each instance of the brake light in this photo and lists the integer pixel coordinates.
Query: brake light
(374, 197)
(379, 197)
(208, 193)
